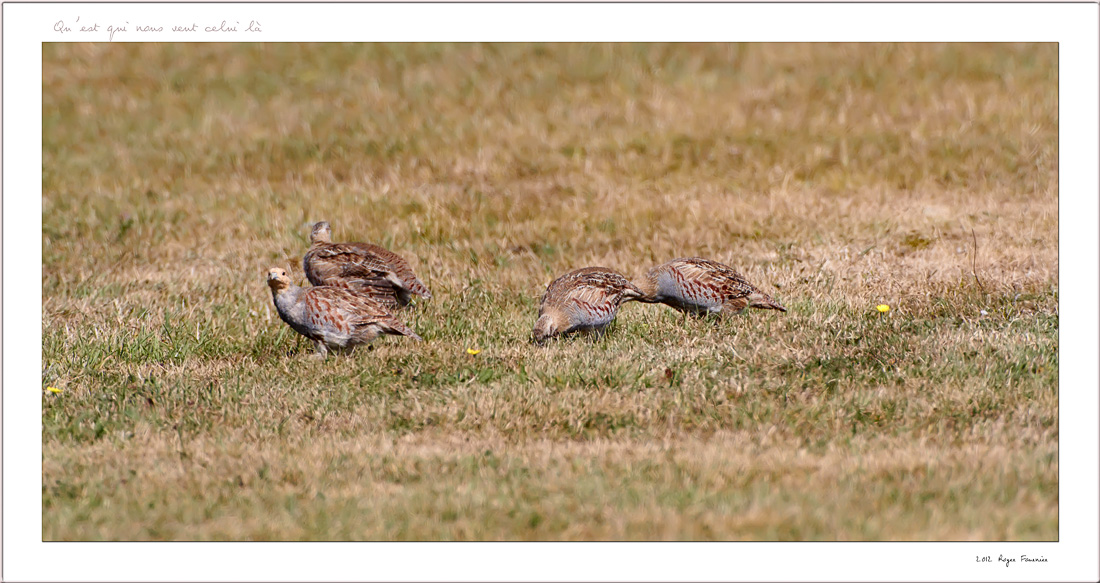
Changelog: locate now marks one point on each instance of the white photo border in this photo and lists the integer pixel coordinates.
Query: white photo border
(1074, 557)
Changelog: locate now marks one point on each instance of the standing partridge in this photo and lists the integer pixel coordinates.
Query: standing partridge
(332, 317)
(698, 286)
(584, 299)
(379, 273)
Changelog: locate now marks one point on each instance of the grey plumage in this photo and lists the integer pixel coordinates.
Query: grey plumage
(377, 272)
(332, 317)
(696, 285)
(583, 299)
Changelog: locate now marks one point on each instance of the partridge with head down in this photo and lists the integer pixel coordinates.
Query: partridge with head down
(583, 299)
(699, 286)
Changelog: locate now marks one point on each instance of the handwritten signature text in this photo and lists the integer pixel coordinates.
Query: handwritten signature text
(1010, 560)
(113, 29)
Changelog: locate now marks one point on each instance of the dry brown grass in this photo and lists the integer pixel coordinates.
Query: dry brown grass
(836, 176)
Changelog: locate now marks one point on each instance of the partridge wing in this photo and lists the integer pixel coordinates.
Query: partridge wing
(711, 275)
(399, 271)
(350, 262)
(326, 310)
(365, 312)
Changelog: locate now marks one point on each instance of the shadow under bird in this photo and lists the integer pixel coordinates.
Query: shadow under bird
(694, 285)
(377, 272)
(581, 300)
(332, 317)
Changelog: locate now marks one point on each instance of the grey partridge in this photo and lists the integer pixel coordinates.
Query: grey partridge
(332, 317)
(377, 272)
(583, 299)
(699, 286)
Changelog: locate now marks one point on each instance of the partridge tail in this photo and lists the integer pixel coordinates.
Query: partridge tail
(637, 293)
(393, 326)
(765, 302)
(418, 288)
(641, 296)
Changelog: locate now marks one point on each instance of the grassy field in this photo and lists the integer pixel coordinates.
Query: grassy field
(835, 177)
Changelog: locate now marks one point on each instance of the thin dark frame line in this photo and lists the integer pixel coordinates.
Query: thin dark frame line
(627, 2)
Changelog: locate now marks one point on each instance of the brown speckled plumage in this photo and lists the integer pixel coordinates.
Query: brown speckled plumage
(379, 273)
(583, 299)
(696, 285)
(332, 317)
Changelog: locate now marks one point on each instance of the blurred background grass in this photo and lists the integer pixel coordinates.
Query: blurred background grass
(837, 176)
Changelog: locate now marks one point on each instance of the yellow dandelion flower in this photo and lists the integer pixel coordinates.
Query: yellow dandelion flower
(473, 351)
(882, 308)
(53, 390)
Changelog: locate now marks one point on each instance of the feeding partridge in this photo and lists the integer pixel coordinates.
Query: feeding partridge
(583, 299)
(698, 286)
(332, 317)
(379, 273)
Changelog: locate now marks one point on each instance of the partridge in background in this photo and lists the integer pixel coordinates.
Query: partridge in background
(379, 273)
(698, 286)
(583, 299)
(332, 317)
